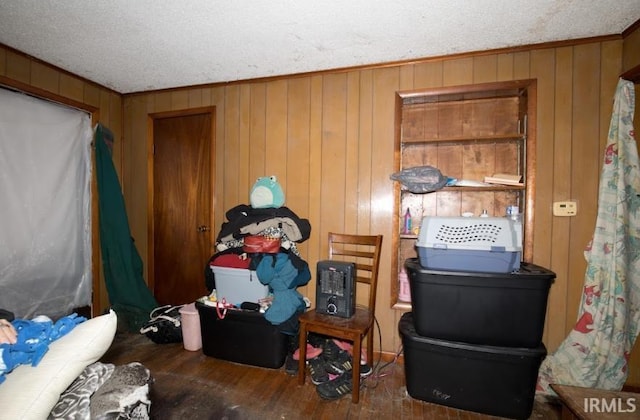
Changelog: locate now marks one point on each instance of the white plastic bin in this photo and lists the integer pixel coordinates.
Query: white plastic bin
(190, 320)
(238, 285)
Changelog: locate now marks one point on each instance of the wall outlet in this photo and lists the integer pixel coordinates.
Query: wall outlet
(565, 208)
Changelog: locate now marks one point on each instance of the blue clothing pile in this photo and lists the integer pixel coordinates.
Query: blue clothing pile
(283, 278)
(33, 341)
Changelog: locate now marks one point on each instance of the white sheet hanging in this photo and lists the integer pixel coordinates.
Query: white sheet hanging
(45, 225)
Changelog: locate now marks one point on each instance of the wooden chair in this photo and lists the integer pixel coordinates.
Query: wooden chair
(364, 250)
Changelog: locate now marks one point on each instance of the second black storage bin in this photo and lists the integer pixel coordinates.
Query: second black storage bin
(499, 381)
(480, 308)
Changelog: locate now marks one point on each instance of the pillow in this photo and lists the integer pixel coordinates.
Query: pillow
(31, 392)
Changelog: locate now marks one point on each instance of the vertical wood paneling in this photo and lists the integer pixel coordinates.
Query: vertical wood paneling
(3, 61)
(542, 68)
(610, 69)
(560, 167)
(231, 153)
(585, 164)
(352, 152)
(428, 75)
(45, 77)
(179, 99)
(258, 132)
(18, 68)
(135, 157)
(276, 135)
(298, 149)
(194, 98)
(631, 51)
(333, 154)
(92, 96)
(161, 102)
(521, 65)
(485, 68)
(385, 84)
(244, 179)
(71, 87)
(316, 249)
(505, 67)
(457, 72)
(216, 97)
(365, 152)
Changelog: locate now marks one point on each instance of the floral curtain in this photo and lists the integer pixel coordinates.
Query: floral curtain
(596, 350)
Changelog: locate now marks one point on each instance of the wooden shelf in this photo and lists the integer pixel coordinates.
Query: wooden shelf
(470, 139)
(402, 306)
(467, 132)
(408, 236)
(489, 188)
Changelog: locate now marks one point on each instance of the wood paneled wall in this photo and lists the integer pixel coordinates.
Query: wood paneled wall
(329, 139)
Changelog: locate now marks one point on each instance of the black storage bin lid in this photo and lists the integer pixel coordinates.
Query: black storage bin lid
(530, 276)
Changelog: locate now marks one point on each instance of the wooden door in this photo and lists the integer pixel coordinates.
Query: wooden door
(181, 206)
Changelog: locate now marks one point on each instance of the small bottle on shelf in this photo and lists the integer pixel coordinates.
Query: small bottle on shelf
(407, 222)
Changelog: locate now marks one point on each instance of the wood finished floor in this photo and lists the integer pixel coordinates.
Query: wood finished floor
(190, 385)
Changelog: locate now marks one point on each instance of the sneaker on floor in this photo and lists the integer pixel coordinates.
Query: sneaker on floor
(317, 371)
(365, 370)
(290, 365)
(330, 349)
(335, 389)
(340, 363)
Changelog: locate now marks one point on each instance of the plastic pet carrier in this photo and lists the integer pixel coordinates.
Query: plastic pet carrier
(481, 244)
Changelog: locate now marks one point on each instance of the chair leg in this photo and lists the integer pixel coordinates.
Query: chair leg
(370, 348)
(355, 360)
(302, 352)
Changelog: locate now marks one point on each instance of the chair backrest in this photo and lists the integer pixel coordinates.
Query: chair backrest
(364, 251)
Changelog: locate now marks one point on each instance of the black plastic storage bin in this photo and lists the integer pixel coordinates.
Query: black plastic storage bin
(480, 308)
(499, 381)
(242, 337)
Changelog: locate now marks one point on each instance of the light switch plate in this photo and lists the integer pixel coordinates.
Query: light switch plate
(565, 208)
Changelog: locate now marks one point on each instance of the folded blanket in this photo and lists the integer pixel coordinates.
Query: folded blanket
(125, 395)
(74, 402)
(105, 392)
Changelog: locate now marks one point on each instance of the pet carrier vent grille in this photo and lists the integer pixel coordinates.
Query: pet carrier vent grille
(481, 232)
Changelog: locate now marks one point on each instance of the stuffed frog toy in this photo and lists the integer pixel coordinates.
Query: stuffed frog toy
(266, 193)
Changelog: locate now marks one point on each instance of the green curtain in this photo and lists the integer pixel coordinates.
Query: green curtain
(129, 295)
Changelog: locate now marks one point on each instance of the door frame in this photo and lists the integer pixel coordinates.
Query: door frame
(211, 110)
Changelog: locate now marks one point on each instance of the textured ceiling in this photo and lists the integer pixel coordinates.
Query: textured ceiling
(141, 45)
